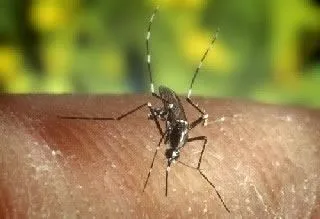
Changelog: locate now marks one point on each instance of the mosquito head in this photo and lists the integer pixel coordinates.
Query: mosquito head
(172, 154)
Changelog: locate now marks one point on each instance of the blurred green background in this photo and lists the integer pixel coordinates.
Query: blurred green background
(266, 50)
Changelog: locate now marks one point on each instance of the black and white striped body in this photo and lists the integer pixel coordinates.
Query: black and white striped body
(176, 123)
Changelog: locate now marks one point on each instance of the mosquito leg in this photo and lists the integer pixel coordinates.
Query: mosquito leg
(152, 111)
(203, 117)
(148, 49)
(204, 139)
(186, 165)
(196, 106)
(106, 118)
(84, 118)
(215, 36)
(167, 176)
(124, 115)
(153, 159)
(155, 119)
(130, 112)
(213, 186)
(200, 138)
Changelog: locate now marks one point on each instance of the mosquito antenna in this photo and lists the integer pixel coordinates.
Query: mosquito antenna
(148, 48)
(203, 58)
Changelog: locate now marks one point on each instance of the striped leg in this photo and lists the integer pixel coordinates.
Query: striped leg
(106, 118)
(155, 118)
(204, 116)
(204, 139)
(203, 58)
(148, 49)
(167, 175)
(153, 159)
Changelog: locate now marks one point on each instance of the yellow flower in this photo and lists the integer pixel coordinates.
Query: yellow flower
(10, 62)
(48, 15)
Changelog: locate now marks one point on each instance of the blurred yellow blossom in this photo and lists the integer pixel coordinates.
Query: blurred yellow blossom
(48, 15)
(10, 64)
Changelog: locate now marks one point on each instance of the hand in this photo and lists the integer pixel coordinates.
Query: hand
(264, 160)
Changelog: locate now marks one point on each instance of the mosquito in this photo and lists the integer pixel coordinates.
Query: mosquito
(176, 132)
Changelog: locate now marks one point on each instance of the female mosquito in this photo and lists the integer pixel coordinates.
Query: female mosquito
(177, 127)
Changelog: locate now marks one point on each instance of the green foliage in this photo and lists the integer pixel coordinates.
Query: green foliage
(267, 50)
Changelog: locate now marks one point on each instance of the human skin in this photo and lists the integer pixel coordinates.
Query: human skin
(263, 159)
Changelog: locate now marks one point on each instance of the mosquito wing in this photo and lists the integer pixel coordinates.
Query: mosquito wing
(170, 97)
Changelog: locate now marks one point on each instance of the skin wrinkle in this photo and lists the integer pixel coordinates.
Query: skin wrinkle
(38, 163)
(59, 171)
(79, 167)
(125, 165)
(84, 180)
(56, 136)
(269, 179)
(301, 186)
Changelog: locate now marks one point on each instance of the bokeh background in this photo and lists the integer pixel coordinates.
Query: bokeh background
(268, 50)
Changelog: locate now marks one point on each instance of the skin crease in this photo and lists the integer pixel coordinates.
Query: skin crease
(263, 159)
